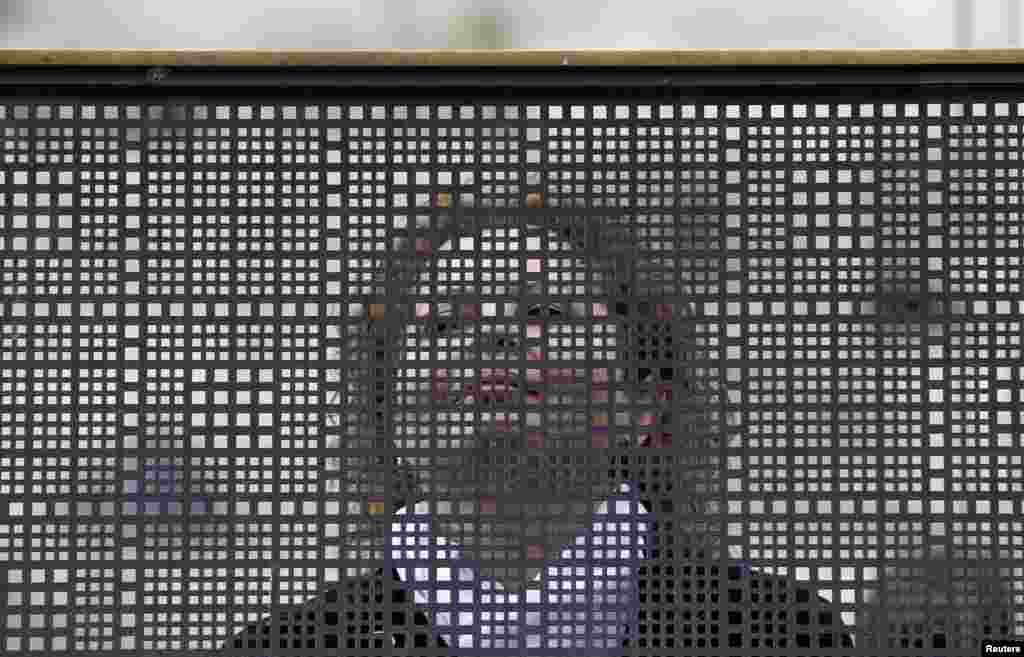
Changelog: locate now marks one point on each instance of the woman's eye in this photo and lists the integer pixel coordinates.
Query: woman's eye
(442, 323)
(446, 326)
(548, 311)
(909, 307)
(502, 341)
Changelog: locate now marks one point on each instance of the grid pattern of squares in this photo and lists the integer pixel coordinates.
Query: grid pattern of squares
(588, 590)
(195, 374)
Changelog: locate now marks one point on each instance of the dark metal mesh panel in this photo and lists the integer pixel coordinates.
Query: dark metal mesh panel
(812, 343)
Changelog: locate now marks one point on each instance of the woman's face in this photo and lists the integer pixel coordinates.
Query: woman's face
(507, 379)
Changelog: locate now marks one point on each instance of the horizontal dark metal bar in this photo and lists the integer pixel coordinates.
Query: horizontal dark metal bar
(477, 80)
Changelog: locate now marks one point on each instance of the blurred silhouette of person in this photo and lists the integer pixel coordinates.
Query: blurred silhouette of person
(941, 603)
(534, 532)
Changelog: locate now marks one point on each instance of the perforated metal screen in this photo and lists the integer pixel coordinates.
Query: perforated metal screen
(786, 329)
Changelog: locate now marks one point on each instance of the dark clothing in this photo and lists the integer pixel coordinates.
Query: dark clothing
(682, 608)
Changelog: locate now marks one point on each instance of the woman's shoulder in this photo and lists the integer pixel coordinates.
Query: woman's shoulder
(788, 612)
(324, 618)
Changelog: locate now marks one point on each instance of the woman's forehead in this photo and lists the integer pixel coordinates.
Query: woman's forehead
(503, 260)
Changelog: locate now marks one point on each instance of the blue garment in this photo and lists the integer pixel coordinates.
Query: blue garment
(583, 602)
